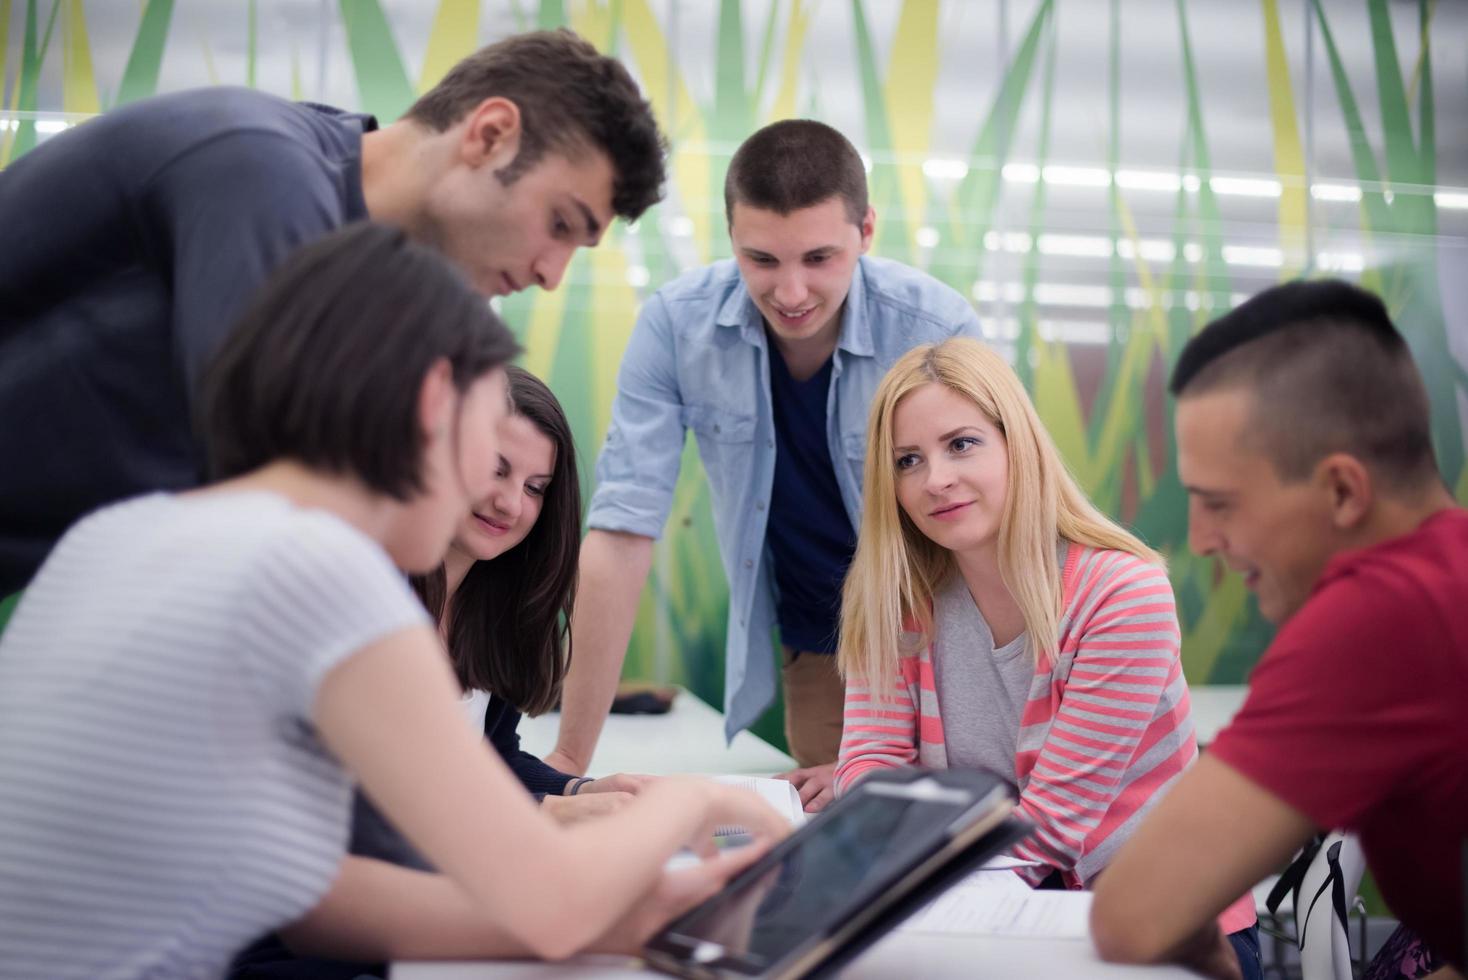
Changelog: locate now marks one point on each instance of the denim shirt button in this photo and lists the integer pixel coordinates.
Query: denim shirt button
(718, 428)
(759, 505)
(748, 563)
(771, 443)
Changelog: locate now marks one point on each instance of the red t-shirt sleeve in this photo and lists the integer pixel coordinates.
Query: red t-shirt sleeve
(1339, 715)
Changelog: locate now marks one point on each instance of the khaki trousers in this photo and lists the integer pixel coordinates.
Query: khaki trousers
(814, 700)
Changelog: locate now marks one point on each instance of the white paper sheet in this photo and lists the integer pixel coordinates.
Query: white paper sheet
(779, 793)
(992, 903)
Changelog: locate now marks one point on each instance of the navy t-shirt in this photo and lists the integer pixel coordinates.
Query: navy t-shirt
(810, 539)
(137, 238)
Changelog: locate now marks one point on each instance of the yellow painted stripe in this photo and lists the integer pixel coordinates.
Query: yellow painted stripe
(455, 34)
(543, 333)
(784, 105)
(1059, 406)
(1224, 608)
(679, 116)
(592, 19)
(912, 76)
(79, 85)
(615, 303)
(1289, 155)
(7, 144)
(1423, 51)
(1153, 319)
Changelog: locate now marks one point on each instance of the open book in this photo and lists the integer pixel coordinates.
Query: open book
(779, 793)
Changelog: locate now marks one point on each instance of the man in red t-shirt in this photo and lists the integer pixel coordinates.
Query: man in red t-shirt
(1305, 447)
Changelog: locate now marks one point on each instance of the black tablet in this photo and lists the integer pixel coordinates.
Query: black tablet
(844, 879)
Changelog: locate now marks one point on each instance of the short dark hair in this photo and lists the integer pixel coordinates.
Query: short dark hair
(1329, 372)
(326, 365)
(794, 164)
(510, 626)
(571, 99)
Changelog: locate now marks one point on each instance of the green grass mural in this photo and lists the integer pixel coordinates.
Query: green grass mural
(1106, 407)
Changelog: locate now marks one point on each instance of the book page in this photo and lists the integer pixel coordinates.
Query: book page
(779, 793)
(998, 903)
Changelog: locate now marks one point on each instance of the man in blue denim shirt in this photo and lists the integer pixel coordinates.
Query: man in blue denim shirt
(771, 359)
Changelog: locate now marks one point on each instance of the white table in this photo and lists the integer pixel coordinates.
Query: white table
(900, 955)
(1214, 706)
(688, 739)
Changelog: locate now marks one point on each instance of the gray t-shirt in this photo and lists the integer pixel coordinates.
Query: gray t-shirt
(981, 690)
(164, 797)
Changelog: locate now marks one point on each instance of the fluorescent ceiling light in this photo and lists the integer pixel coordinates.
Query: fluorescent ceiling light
(1082, 245)
(1021, 173)
(1066, 294)
(927, 237)
(638, 276)
(1075, 331)
(940, 169)
(1335, 192)
(1341, 261)
(1245, 186)
(1148, 180)
(1010, 241)
(1077, 176)
(1451, 199)
(1151, 249)
(1253, 255)
(680, 225)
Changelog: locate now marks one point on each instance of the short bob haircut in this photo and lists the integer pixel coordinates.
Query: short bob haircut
(1328, 372)
(571, 98)
(327, 363)
(509, 627)
(897, 569)
(795, 164)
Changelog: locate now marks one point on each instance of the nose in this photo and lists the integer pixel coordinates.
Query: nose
(940, 477)
(507, 497)
(790, 292)
(550, 267)
(1203, 536)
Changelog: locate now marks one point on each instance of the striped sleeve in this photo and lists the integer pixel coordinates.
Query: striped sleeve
(879, 732)
(1120, 628)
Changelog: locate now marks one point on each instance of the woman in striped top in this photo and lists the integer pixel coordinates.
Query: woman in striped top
(193, 682)
(994, 618)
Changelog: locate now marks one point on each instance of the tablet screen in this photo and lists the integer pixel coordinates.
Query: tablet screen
(839, 864)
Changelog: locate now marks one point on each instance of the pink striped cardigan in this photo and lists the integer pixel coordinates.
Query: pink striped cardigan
(1108, 726)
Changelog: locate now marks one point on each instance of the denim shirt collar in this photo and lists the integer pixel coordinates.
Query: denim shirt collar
(856, 329)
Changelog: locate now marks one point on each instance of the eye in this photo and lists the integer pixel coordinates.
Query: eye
(962, 444)
(503, 469)
(764, 260)
(559, 227)
(907, 461)
(816, 259)
(535, 489)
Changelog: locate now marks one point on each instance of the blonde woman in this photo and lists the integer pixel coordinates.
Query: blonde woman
(994, 618)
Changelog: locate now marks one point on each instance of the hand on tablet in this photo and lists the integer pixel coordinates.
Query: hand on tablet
(816, 785)
(675, 893)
